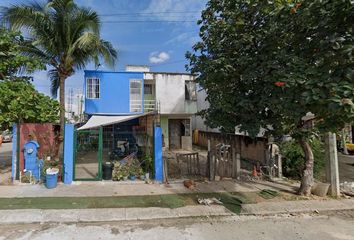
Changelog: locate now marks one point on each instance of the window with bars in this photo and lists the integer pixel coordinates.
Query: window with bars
(148, 89)
(190, 91)
(136, 95)
(93, 88)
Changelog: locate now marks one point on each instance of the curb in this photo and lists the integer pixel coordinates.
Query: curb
(30, 216)
(296, 207)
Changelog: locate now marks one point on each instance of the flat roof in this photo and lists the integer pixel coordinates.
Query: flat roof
(170, 73)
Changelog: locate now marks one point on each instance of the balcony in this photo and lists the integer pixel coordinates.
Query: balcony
(150, 105)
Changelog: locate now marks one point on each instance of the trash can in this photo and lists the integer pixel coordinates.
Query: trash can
(51, 178)
(107, 170)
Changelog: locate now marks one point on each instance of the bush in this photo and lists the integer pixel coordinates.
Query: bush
(294, 159)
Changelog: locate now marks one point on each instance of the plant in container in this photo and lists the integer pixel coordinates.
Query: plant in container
(148, 166)
(132, 173)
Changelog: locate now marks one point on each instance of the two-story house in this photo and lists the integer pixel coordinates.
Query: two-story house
(138, 96)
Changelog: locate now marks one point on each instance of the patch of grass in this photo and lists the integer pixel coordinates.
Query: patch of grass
(231, 201)
(163, 201)
(268, 194)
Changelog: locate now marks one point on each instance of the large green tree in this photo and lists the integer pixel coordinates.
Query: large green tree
(268, 64)
(20, 102)
(65, 37)
(12, 61)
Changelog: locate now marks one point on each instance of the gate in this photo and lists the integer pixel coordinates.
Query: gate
(223, 162)
(88, 154)
(191, 161)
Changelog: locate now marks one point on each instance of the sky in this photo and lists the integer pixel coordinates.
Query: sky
(145, 32)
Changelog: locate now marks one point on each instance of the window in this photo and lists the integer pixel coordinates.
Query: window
(190, 91)
(136, 95)
(93, 88)
(148, 89)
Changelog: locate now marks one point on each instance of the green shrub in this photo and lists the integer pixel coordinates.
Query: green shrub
(294, 159)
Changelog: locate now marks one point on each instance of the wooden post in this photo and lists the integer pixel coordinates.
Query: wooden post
(278, 162)
(211, 167)
(234, 163)
(332, 173)
(238, 165)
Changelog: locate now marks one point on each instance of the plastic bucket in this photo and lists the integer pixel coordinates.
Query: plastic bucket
(51, 178)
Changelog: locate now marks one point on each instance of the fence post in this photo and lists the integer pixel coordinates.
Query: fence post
(278, 162)
(238, 165)
(211, 167)
(332, 174)
(234, 163)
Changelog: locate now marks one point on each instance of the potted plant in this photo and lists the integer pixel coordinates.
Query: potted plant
(148, 166)
(140, 173)
(132, 173)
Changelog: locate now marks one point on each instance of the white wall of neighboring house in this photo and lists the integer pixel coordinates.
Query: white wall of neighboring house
(137, 68)
(198, 122)
(170, 92)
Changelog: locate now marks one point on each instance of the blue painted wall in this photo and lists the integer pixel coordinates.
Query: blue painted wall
(158, 160)
(114, 92)
(68, 153)
(14, 151)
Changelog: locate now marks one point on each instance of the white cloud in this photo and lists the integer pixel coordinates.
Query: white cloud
(158, 57)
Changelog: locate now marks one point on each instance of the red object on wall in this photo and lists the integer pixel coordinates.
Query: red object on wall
(44, 134)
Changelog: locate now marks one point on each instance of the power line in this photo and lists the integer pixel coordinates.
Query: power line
(148, 21)
(145, 13)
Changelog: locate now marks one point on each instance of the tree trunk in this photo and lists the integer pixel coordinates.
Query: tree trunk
(62, 114)
(345, 150)
(307, 173)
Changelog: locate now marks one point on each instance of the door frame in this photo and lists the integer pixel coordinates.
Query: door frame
(99, 154)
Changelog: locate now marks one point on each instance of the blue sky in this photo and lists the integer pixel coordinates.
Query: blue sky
(145, 32)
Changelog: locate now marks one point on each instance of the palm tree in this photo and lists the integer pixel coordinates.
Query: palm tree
(64, 36)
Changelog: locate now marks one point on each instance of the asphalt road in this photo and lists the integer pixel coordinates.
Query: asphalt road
(346, 167)
(5, 162)
(271, 228)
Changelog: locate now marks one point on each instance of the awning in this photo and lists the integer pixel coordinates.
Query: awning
(102, 120)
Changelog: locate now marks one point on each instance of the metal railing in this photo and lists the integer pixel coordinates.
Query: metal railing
(149, 105)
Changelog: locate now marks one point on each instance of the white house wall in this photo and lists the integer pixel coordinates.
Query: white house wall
(170, 92)
(202, 104)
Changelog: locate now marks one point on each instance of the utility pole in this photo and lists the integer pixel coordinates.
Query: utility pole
(332, 173)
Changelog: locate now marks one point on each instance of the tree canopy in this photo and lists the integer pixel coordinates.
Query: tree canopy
(12, 61)
(267, 64)
(21, 103)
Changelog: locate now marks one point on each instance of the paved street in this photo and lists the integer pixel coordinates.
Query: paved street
(5, 162)
(309, 227)
(346, 167)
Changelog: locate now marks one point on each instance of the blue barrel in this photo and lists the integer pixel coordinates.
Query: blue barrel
(51, 180)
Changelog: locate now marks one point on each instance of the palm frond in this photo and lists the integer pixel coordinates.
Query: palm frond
(108, 53)
(63, 34)
(54, 79)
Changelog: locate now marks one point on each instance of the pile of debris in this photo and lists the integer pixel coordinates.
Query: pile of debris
(347, 188)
